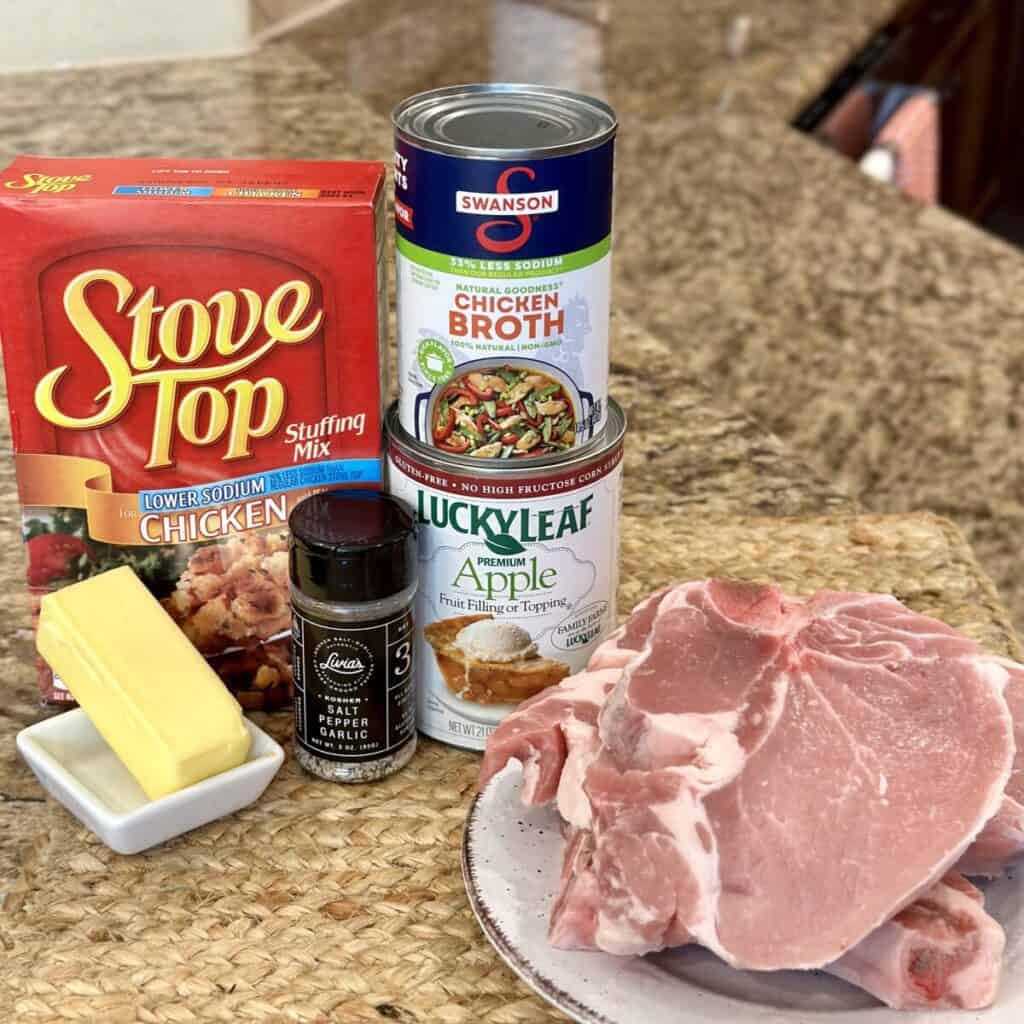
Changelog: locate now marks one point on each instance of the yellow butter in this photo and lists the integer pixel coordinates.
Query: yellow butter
(148, 691)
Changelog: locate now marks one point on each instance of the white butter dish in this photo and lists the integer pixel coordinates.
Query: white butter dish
(77, 768)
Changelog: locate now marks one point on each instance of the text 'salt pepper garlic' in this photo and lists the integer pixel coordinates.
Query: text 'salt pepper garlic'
(353, 569)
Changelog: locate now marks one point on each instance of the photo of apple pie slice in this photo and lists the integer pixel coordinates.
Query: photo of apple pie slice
(489, 661)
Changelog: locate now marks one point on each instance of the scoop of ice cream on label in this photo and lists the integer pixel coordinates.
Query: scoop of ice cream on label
(490, 640)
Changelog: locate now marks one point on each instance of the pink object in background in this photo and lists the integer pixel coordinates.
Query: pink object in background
(912, 134)
(894, 131)
(848, 127)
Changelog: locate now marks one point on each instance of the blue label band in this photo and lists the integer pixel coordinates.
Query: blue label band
(258, 485)
(164, 190)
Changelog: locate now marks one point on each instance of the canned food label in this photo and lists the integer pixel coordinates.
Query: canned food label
(353, 686)
(517, 585)
(503, 274)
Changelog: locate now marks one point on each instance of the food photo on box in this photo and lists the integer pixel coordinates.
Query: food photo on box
(399, 626)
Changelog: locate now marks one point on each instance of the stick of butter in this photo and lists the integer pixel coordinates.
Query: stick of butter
(151, 695)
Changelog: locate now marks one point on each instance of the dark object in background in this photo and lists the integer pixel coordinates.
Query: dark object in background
(971, 54)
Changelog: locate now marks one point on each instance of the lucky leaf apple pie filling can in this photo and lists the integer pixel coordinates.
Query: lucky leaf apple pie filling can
(503, 212)
(518, 573)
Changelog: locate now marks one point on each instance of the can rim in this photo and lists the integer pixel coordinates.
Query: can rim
(502, 153)
(607, 440)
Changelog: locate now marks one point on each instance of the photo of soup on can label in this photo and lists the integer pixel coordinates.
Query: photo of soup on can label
(503, 412)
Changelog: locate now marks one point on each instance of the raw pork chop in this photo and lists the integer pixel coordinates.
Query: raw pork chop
(1002, 840)
(554, 736)
(943, 951)
(1000, 843)
(776, 778)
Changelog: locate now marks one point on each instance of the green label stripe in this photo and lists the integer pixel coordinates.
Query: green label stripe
(469, 266)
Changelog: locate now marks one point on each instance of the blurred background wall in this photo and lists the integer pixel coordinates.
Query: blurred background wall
(79, 33)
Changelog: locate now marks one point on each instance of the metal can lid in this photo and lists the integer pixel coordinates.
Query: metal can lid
(608, 440)
(504, 121)
(352, 546)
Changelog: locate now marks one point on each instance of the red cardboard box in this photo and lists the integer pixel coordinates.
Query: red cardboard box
(191, 347)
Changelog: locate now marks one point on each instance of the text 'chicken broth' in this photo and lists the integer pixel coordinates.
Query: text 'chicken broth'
(503, 210)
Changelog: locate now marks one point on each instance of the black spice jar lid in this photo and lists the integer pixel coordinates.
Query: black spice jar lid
(352, 546)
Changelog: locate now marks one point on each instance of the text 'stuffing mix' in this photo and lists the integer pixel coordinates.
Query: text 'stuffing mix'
(191, 347)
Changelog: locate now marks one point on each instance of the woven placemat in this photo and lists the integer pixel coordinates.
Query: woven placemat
(332, 903)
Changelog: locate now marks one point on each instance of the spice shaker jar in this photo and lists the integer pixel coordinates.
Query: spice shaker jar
(353, 565)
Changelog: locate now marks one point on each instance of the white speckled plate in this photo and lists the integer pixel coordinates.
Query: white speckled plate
(511, 858)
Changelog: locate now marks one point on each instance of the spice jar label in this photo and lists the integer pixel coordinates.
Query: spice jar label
(342, 674)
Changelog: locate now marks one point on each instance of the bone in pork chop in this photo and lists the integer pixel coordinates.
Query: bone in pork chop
(554, 736)
(941, 952)
(999, 844)
(843, 744)
(776, 778)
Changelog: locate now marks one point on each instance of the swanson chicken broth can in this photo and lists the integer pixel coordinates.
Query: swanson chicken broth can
(503, 213)
(518, 572)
